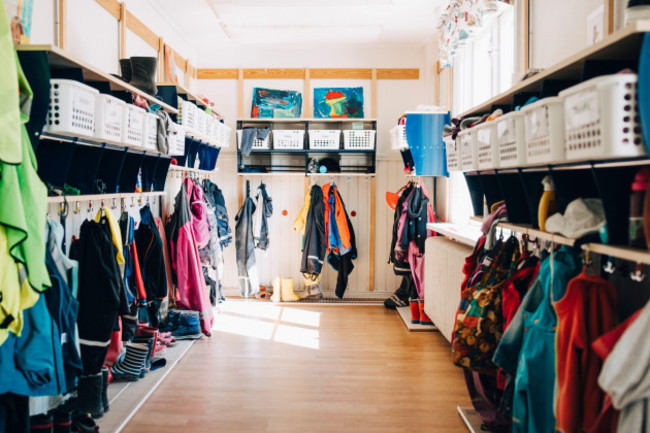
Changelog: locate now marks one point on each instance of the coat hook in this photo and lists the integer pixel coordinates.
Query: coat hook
(76, 207)
(114, 206)
(90, 206)
(132, 201)
(101, 203)
(609, 266)
(637, 275)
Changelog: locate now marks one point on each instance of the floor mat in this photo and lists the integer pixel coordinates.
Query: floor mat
(324, 301)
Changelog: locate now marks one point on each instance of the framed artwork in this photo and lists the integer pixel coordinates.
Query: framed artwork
(271, 103)
(338, 103)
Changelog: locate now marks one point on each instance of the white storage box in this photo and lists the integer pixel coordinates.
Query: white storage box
(601, 119)
(398, 138)
(72, 108)
(224, 135)
(511, 137)
(201, 122)
(545, 131)
(133, 127)
(354, 139)
(486, 145)
(325, 139)
(288, 138)
(211, 130)
(150, 131)
(257, 144)
(466, 141)
(453, 154)
(109, 116)
(176, 139)
(187, 115)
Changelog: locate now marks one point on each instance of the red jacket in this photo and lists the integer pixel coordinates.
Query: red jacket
(586, 312)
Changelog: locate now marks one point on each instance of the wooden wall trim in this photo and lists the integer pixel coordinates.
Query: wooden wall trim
(113, 7)
(122, 18)
(63, 22)
(144, 32)
(373, 94)
(610, 13)
(314, 74)
(240, 95)
(179, 60)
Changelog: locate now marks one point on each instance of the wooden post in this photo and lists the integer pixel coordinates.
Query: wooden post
(306, 110)
(373, 210)
(610, 13)
(240, 93)
(62, 31)
(306, 184)
(161, 60)
(450, 83)
(526, 35)
(122, 52)
(373, 94)
(188, 74)
(240, 192)
(436, 83)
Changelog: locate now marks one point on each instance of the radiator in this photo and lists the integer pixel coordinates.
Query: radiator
(444, 260)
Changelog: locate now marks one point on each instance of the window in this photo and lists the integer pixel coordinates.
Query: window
(482, 68)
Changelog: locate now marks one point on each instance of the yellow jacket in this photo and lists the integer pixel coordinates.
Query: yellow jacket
(301, 219)
(116, 233)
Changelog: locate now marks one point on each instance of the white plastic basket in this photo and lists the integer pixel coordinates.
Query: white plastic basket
(545, 131)
(176, 139)
(466, 141)
(398, 138)
(187, 115)
(453, 154)
(150, 131)
(511, 137)
(288, 138)
(354, 139)
(486, 145)
(109, 115)
(325, 139)
(201, 122)
(224, 135)
(601, 119)
(257, 144)
(210, 129)
(72, 108)
(133, 126)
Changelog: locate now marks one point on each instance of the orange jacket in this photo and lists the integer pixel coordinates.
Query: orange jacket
(341, 220)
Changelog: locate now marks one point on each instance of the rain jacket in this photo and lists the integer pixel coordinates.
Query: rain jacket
(192, 293)
(315, 242)
(336, 219)
(215, 199)
(264, 209)
(249, 284)
(339, 259)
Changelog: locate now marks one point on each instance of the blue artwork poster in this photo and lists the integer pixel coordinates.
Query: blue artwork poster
(271, 103)
(338, 103)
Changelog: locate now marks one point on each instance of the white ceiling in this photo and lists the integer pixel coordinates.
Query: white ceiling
(379, 22)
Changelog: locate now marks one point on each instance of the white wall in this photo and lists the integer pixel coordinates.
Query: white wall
(393, 98)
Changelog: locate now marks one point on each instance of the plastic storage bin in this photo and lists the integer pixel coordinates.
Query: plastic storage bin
(511, 139)
(257, 144)
(325, 139)
(150, 131)
(288, 138)
(201, 122)
(601, 119)
(176, 139)
(544, 121)
(224, 135)
(453, 154)
(486, 145)
(187, 115)
(398, 138)
(133, 127)
(466, 140)
(72, 108)
(354, 139)
(109, 116)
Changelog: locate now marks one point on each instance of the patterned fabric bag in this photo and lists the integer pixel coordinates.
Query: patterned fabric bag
(479, 320)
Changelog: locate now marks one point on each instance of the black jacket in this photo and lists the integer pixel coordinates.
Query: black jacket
(343, 264)
(315, 242)
(416, 220)
(400, 268)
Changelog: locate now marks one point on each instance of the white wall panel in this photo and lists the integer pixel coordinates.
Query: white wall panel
(93, 34)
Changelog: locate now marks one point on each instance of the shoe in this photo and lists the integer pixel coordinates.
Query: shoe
(89, 393)
(424, 319)
(189, 327)
(287, 291)
(415, 311)
(166, 339)
(150, 342)
(173, 320)
(393, 302)
(41, 423)
(62, 421)
(143, 70)
(129, 368)
(263, 294)
(125, 69)
(277, 290)
(105, 401)
(84, 423)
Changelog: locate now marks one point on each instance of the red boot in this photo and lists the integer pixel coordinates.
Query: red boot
(424, 319)
(415, 311)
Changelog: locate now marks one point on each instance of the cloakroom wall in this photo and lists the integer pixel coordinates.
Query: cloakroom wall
(393, 98)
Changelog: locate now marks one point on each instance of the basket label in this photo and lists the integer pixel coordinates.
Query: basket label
(537, 123)
(506, 130)
(484, 136)
(582, 109)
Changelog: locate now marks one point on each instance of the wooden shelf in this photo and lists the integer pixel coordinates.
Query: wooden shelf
(60, 59)
(178, 168)
(572, 165)
(301, 120)
(464, 234)
(92, 141)
(100, 197)
(622, 44)
(181, 90)
(303, 151)
(303, 174)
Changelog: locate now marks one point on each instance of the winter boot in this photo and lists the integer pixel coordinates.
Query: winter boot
(173, 321)
(287, 291)
(424, 319)
(105, 402)
(150, 342)
(41, 423)
(143, 71)
(189, 327)
(84, 423)
(89, 395)
(62, 420)
(277, 290)
(415, 311)
(130, 367)
(125, 69)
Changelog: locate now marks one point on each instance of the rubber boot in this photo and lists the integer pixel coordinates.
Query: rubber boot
(41, 423)
(424, 319)
(287, 290)
(125, 69)
(277, 290)
(62, 420)
(105, 401)
(130, 368)
(90, 395)
(415, 311)
(143, 71)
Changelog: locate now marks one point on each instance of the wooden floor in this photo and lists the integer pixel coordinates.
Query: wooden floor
(330, 369)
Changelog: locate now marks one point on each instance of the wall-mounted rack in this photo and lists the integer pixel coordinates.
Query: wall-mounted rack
(174, 169)
(103, 197)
